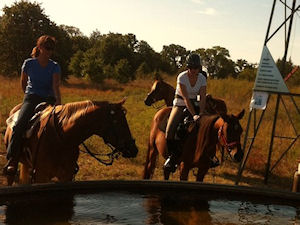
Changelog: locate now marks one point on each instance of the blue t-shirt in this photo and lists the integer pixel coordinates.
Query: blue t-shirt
(40, 79)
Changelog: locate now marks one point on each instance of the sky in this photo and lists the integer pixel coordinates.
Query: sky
(237, 25)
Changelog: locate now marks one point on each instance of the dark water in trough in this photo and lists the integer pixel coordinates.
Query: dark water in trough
(118, 207)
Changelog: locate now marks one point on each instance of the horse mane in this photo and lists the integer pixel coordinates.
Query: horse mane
(73, 110)
(168, 85)
(204, 136)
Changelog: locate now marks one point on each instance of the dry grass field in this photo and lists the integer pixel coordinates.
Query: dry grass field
(237, 95)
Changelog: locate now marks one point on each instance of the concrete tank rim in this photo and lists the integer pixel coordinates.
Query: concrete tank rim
(118, 185)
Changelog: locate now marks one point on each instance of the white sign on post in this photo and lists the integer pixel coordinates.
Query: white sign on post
(268, 77)
(259, 100)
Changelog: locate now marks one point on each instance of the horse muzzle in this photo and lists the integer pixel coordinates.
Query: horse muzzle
(148, 101)
(238, 156)
(130, 150)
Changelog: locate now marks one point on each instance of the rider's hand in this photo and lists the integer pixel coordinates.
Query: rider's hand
(196, 117)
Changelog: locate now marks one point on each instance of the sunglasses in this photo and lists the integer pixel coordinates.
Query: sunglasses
(48, 48)
(194, 67)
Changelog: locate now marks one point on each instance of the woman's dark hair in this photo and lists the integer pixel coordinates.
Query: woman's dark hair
(46, 41)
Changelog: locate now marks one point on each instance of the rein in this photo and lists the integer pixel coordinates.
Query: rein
(158, 107)
(221, 137)
(112, 156)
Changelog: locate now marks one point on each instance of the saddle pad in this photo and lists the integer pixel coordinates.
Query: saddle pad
(11, 121)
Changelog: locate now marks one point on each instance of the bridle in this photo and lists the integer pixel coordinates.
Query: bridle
(223, 141)
(154, 100)
(121, 148)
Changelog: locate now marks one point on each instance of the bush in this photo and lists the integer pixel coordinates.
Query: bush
(123, 71)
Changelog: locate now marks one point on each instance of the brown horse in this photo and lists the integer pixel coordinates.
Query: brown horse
(53, 148)
(199, 147)
(161, 90)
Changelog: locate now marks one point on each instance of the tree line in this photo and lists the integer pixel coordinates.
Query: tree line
(100, 56)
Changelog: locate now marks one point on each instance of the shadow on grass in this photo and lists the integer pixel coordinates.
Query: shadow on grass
(274, 181)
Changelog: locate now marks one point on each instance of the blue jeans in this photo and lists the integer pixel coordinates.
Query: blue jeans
(30, 101)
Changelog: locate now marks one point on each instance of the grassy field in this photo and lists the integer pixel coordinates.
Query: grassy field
(237, 95)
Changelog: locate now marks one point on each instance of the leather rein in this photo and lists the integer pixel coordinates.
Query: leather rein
(223, 141)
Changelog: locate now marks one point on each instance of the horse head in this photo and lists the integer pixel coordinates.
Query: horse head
(117, 133)
(230, 135)
(156, 92)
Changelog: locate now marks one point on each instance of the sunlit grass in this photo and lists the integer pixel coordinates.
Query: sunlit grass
(237, 95)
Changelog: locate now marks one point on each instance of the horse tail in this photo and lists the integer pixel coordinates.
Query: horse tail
(150, 160)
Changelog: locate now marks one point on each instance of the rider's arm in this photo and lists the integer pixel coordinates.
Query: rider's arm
(186, 99)
(24, 79)
(56, 83)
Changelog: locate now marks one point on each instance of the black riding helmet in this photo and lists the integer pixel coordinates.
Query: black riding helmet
(193, 61)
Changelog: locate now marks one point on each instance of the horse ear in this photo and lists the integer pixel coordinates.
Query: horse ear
(123, 101)
(240, 115)
(157, 76)
(225, 117)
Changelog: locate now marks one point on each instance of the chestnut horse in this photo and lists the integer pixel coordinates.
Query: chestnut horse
(199, 147)
(53, 148)
(161, 90)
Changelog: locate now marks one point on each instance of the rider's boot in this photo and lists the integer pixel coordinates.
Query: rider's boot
(11, 167)
(171, 163)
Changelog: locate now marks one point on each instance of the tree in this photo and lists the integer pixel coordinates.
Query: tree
(75, 66)
(148, 60)
(285, 67)
(248, 74)
(79, 41)
(217, 61)
(174, 55)
(92, 66)
(20, 26)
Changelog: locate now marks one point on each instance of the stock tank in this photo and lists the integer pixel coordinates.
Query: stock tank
(146, 202)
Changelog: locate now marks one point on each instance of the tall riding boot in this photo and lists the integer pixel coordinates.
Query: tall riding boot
(171, 163)
(11, 166)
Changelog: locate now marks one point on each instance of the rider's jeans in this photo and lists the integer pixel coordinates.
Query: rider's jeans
(26, 112)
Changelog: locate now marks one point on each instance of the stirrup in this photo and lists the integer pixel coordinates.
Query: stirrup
(9, 170)
(169, 166)
(11, 167)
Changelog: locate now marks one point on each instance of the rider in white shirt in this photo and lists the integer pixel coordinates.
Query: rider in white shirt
(190, 84)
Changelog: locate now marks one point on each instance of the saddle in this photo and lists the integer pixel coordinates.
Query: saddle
(33, 122)
(184, 127)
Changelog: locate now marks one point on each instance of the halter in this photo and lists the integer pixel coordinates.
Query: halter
(221, 137)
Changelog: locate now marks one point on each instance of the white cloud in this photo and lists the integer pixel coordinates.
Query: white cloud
(208, 11)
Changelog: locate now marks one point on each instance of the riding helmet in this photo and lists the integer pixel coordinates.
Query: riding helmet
(193, 61)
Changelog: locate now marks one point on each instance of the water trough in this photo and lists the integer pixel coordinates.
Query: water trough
(146, 202)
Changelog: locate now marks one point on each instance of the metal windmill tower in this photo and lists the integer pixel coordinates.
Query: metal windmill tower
(270, 82)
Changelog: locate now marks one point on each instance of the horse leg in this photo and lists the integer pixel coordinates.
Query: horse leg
(41, 176)
(150, 162)
(166, 174)
(10, 180)
(202, 171)
(24, 174)
(222, 152)
(184, 171)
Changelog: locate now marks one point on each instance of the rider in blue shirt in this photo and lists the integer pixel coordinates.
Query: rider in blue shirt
(40, 79)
